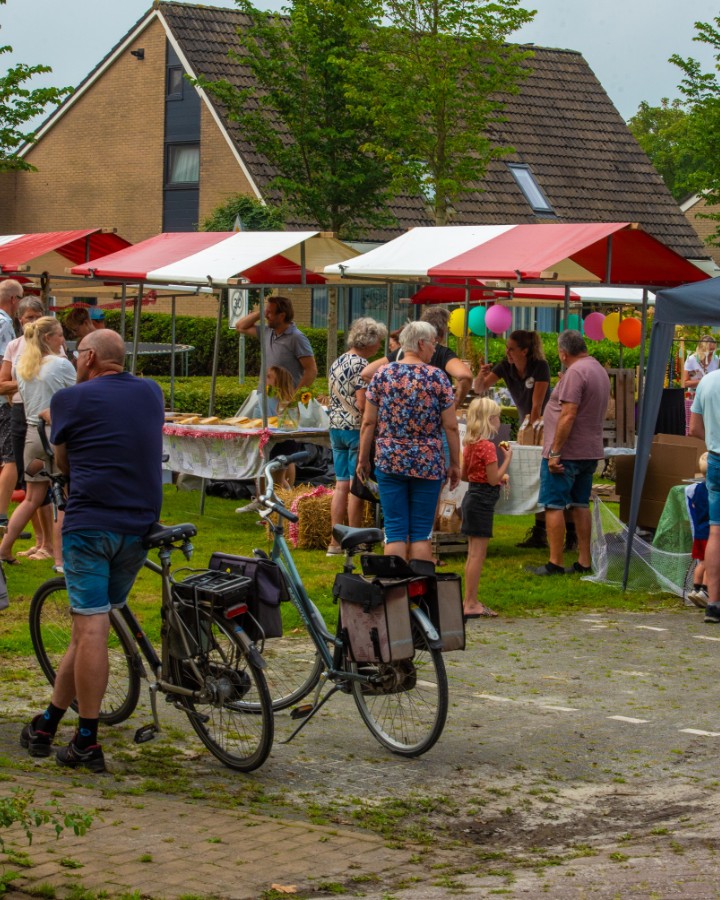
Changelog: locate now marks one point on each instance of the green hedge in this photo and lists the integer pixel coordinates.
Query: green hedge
(192, 395)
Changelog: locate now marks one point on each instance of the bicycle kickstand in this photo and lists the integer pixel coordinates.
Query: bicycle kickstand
(307, 710)
(147, 732)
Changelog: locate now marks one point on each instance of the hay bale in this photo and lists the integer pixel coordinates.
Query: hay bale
(312, 505)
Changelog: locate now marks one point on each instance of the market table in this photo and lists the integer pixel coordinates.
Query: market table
(227, 454)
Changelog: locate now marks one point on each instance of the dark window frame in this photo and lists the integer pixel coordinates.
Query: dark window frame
(544, 209)
(174, 94)
(180, 185)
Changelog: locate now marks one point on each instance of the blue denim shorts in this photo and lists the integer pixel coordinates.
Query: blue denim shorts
(100, 568)
(408, 506)
(345, 444)
(569, 488)
(712, 481)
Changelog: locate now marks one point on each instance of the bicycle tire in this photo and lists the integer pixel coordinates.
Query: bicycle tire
(234, 718)
(407, 714)
(50, 631)
(293, 668)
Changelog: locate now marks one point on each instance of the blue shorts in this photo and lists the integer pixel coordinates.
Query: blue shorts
(569, 488)
(345, 444)
(408, 506)
(100, 568)
(712, 481)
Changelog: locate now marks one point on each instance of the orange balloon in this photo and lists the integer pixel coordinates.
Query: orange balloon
(630, 332)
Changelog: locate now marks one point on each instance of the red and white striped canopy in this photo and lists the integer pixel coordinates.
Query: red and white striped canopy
(563, 251)
(18, 250)
(218, 258)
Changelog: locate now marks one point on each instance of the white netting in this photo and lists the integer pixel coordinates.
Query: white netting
(651, 569)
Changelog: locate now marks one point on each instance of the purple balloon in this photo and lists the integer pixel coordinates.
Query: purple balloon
(594, 326)
(498, 319)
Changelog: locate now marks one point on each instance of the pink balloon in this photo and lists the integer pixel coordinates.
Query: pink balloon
(594, 326)
(498, 319)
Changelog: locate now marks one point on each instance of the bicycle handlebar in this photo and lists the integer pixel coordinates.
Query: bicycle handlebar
(268, 499)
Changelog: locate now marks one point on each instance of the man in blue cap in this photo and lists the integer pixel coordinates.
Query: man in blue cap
(97, 317)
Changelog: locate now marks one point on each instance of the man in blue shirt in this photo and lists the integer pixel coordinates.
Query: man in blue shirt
(107, 431)
(705, 424)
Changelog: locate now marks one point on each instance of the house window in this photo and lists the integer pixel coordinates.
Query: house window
(532, 191)
(175, 83)
(183, 164)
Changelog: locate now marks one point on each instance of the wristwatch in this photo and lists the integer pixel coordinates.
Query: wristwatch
(553, 455)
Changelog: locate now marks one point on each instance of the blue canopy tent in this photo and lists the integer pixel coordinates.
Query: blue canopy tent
(690, 304)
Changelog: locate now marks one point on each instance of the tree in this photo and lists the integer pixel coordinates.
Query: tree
(298, 115)
(254, 215)
(437, 75)
(664, 134)
(18, 105)
(701, 92)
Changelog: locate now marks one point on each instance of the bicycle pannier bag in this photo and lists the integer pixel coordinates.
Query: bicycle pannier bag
(376, 617)
(445, 608)
(263, 600)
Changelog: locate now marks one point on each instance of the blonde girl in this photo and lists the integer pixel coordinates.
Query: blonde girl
(480, 468)
(702, 361)
(40, 372)
(281, 381)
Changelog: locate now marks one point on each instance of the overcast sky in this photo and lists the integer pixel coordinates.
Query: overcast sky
(626, 42)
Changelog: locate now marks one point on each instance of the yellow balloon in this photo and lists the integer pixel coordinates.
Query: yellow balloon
(456, 324)
(610, 326)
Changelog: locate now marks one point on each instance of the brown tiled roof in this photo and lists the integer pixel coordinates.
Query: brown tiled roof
(562, 124)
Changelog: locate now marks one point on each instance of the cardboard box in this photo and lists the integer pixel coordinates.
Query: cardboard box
(673, 458)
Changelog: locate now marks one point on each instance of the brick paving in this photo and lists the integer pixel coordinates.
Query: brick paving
(193, 849)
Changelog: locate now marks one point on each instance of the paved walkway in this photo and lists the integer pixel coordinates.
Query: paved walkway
(162, 847)
(580, 759)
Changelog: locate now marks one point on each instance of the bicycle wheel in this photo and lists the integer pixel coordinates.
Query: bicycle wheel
(50, 630)
(232, 713)
(292, 668)
(406, 711)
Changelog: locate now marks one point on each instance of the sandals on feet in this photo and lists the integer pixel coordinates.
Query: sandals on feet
(40, 553)
(29, 552)
(485, 613)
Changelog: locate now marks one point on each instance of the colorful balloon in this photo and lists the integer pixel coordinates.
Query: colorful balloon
(573, 323)
(594, 326)
(476, 320)
(498, 318)
(630, 332)
(610, 326)
(456, 323)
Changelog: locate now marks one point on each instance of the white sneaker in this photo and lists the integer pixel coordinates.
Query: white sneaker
(252, 507)
(699, 598)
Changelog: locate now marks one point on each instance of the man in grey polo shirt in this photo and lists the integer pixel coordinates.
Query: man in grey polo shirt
(285, 344)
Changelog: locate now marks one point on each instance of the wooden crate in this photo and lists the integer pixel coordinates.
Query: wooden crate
(619, 426)
(444, 543)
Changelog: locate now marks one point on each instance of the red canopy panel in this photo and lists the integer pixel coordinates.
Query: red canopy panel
(161, 250)
(638, 258)
(279, 270)
(527, 249)
(75, 246)
(434, 293)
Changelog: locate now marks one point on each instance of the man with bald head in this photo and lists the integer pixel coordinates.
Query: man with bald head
(107, 431)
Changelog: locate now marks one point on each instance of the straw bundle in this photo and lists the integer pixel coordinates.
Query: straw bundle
(312, 505)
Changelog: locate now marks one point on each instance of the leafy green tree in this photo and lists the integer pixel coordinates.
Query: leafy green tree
(298, 115)
(664, 133)
(701, 93)
(254, 215)
(19, 104)
(438, 73)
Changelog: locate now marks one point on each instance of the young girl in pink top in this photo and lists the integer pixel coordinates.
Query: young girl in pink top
(480, 468)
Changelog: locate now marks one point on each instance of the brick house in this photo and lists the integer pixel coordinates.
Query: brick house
(137, 148)
(693, 207)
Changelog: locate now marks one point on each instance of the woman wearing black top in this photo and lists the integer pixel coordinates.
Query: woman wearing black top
(527, 376)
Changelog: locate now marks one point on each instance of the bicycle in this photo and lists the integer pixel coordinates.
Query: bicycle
(404, 704)
(208, 667)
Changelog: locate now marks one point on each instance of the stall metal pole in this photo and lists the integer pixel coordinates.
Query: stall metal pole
(172, 355)
(388, 316)
(123, 310)
(641, 360)
(262, 387)
(136, 327)
(222, 296)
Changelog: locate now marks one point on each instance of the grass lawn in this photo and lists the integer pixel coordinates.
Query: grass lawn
(505, 586)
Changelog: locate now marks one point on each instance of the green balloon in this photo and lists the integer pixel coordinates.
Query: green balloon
(476, 320)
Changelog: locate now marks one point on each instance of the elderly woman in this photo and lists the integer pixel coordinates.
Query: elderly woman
(347, 402)
(408, 406)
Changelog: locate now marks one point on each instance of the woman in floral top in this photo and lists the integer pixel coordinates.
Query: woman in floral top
(408, 405)
(347, 402)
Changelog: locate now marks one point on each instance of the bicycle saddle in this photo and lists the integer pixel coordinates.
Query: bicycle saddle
(165, 535)
(349, 538)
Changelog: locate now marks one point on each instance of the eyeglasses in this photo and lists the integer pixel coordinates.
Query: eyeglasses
(84, 350)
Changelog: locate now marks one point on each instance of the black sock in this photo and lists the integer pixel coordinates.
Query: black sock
(696, 586)
(50, 719)
(86, 734)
